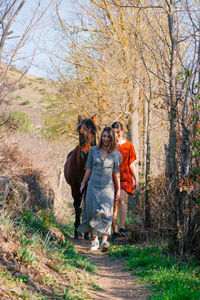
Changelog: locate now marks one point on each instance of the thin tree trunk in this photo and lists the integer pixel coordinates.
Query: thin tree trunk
(133, 127)
(147, 174)
(172, 163)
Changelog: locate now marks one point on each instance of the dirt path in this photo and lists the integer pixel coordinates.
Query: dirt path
(115, 283)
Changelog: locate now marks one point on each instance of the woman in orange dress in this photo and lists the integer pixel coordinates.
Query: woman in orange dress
(127, 175)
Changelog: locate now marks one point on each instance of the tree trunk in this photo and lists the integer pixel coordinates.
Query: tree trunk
(133, 130)
(172, 163)
(147, 173)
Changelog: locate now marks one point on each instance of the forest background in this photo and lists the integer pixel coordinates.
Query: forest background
(133, 61)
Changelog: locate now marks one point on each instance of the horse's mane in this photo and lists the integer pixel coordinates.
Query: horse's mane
(88, 123)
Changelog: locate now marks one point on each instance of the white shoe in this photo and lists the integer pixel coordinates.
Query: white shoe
(94, 245)
(104, 246)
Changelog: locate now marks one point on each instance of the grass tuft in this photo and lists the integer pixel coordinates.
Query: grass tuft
(168, 278)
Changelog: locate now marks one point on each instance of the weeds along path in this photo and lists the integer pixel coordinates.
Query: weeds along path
(115, 284)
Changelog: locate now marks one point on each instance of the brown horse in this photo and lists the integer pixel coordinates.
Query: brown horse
(74, 168)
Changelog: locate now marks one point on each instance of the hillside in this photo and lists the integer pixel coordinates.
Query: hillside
(30, 94)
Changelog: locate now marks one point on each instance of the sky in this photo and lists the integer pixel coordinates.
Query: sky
(47, 32)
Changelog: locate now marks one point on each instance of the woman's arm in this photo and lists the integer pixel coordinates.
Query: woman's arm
(85, 178)
(133, 175)
(117, 183)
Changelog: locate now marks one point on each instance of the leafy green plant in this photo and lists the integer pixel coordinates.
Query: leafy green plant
(27, 241)
(40, 79)
(20, 120)
(23, 279)
(22, 86)
(42, 91)
(48, 244)
(27, 256)
(131, 220)
(48, 219)
(33, 223)
(18, 71)
(25, 102)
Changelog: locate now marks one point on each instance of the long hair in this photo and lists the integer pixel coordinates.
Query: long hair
(112, 144)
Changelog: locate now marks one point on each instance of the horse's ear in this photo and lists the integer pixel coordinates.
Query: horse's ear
(94, 119)
(79, 118)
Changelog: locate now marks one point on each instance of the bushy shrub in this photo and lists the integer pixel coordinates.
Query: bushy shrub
(26, 102)
(20, 120)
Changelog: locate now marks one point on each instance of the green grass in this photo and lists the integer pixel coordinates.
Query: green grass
(42, 91)
(66, 251)
(40, 79)
(36, 244)
(26, 102)
(168, 279)
(22, 86)
(20, 120)
(26, 256)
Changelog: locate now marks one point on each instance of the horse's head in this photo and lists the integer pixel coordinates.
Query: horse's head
(87, 135)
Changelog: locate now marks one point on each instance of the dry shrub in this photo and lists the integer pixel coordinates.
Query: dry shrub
(30, 159)
(187, 211)
(14, 164)
(160, 210)
(24, 176)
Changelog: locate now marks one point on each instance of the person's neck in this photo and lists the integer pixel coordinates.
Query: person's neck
(121, 141)
(105, 148)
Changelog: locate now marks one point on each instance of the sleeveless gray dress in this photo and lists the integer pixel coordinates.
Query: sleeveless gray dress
(98, 206)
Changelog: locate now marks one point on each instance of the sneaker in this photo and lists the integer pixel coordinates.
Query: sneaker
(115, 235)
(122, 232)
(104, 246)
(94, 245)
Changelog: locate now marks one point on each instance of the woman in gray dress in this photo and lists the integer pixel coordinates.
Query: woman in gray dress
(103, 161)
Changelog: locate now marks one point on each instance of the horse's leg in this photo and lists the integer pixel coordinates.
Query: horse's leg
(78, 210)
(86, 236)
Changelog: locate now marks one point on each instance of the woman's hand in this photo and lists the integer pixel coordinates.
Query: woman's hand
(117, 195)
(82, 187)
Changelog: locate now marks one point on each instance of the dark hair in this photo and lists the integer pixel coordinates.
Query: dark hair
(117, 125)
(111, 133)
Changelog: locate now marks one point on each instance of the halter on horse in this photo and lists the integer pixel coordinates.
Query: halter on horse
(74, 168)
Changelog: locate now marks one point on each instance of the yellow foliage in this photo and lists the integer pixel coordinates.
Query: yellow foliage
(104, 104)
